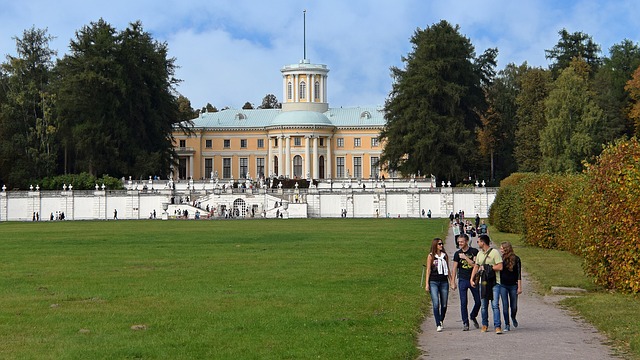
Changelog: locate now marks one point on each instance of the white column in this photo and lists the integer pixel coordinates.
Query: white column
(267, 163)
(280, 159)
(329, 170)
(313, 88)
(307, 160)
(287, 156)
(296, 79)
(191, 166)
(284, 89)
(308, 89)
(315, 157)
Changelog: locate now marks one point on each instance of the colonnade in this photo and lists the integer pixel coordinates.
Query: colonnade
(311, 157)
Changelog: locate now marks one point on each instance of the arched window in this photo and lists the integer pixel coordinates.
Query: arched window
(297, 166)
(303, 90)
(316, 89)
(289, 90)
(321, 167)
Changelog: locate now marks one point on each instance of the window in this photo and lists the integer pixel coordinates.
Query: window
(297, 141)
(183, 143)
(316, 89)
(182, 167)
(375, 168)
(340, 167)
(227, 143)
(226, 168)
(357, 167)
(297, 166)
(208, 168)
(356, 142)
(244, 167)
(243, 143)
(321, 141)
(321, 167)
(208, 144)
(375, 142)
(340, 142)
(275, 143)
(289, 90)
(260, 167)
(303, 90)
(260, 143)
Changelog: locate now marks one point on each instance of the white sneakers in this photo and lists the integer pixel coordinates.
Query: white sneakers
(439, 328)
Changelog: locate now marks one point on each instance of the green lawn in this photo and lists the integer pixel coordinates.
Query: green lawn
(253, 289)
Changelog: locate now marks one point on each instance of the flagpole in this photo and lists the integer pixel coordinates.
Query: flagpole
(304, 33)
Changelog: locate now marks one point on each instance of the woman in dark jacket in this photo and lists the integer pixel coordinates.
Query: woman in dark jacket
(511, 283)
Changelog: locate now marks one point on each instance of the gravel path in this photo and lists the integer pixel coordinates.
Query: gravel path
(545, 331)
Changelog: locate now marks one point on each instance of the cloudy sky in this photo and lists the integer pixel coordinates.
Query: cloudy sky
(230, 52)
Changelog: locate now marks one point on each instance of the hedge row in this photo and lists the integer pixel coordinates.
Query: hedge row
(595, 215)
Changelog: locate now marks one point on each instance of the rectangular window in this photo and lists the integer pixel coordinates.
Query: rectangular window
(183, 143)
(208, 168)
(260, 167)
(375, 172)
(243, 143)
(260, 143)
(208, 144)
(297, 141)
(356, 142)
(357, 167)
(244, 167)
(227, 143)
(340, 142)
(340, 167)
(275, 143)
(321, 141)
(226, 168)
(375, 142)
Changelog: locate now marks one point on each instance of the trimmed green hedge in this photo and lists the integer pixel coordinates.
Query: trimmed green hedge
(595, 214)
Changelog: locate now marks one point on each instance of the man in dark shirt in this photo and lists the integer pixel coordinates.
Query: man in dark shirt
(463, 262)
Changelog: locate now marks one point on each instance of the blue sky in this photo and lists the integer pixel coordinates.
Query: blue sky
(230, 52)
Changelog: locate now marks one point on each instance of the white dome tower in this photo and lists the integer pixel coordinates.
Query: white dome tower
(304, 85)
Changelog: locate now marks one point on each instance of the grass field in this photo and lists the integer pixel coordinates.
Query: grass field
(254, 289)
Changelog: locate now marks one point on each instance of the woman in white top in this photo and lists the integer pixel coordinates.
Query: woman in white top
(438, 277)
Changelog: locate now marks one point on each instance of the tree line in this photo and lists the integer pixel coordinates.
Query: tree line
(108, 107)
(451, 113)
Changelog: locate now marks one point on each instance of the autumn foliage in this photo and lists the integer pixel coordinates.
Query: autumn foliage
(595, 214)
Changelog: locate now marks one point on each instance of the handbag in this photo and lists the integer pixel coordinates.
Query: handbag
(481, 271)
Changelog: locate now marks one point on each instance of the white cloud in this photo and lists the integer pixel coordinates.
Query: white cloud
(231, 52)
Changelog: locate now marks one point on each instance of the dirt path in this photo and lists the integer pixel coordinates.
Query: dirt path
(545, 331)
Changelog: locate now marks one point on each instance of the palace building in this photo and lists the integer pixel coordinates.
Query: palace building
(306, 139)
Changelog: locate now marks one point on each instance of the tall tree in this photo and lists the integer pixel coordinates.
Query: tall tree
(531, 118)
(432, 109)
(573, 45)
(609, 84)
(633, 88)
(247, 106)
(28, 124)
(574, 122)
(497, 134)
(270, 102)
(184, 108)
(117, 101)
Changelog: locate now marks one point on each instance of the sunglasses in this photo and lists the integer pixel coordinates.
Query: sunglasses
(440, 244)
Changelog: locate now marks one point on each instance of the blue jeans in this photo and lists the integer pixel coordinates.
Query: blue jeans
(463, 286)
(439, 296)
(509, 296)
(495, 305)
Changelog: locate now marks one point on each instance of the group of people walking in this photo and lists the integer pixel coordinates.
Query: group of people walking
(489, 274)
